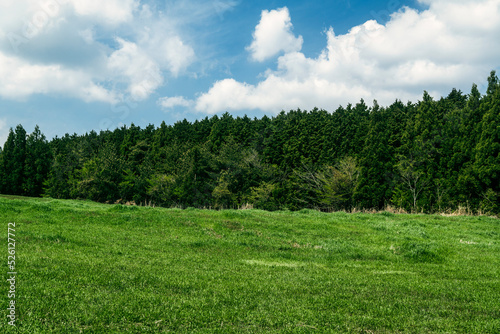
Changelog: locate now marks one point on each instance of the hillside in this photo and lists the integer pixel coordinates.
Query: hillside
(84, 267)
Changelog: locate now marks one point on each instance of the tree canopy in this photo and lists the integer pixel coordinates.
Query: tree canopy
(430, 155)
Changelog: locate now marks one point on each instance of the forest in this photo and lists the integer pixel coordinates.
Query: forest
(429, 156)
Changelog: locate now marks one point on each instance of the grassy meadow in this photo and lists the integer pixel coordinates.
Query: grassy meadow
(84, 267)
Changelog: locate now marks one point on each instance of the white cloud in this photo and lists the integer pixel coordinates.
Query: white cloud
(132, 65)
(452, 44)
(4, 132)
(30, 18)
(176, 54)
(273, 35)
(275, 94)
(141, 64)
(87, 35)
(467, 16)
(162, 43)
(176, 101)
(20, 79)
(62, 47)
(110, 12)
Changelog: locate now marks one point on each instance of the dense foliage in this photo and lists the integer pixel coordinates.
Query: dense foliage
(431, 156)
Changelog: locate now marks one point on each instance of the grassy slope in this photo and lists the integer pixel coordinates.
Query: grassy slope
(91, 268)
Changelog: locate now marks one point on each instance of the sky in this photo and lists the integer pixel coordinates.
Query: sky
(72, 66)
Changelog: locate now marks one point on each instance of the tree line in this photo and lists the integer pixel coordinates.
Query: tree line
(429, 156)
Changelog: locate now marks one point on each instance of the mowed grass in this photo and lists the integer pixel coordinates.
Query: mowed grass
(90, 268)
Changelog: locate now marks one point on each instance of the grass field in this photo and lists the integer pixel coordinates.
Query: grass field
(84, 267)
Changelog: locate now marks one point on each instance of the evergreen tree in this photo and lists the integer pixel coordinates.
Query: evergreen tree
(99, 178)
(377, 158)
(14, 158)
(435, 154)
(487, 164)
(7, 167)
(2, 173)
(37, 163)
(459, 185)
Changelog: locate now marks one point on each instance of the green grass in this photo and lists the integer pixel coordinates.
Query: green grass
(90, 268)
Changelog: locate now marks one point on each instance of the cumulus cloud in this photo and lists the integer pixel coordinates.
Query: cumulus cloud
(176, 101)
(20, 79)
(66, 47)
(176, 54)
(108, 12)
(451, 44)
(132, 65)
(162, 43)
(274, 35)
(30, 18)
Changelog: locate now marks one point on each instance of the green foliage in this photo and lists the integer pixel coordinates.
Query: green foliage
(223, 197)
(490, 202)
(8, 161)
(37, 164)
(330, 188)
(263, 196)
(162, 189)
(99, 178)
(429, 156)
(487, 162)
(412, 178)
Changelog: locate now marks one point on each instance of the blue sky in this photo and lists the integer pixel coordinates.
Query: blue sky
(76, 66)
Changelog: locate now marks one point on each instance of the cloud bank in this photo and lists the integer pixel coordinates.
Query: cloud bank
(93, 50)
(451, 44)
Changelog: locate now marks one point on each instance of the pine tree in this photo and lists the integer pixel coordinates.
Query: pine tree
(14, 157)
(376, 161)
(487, 164)
(3, 173)
(37, 163)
